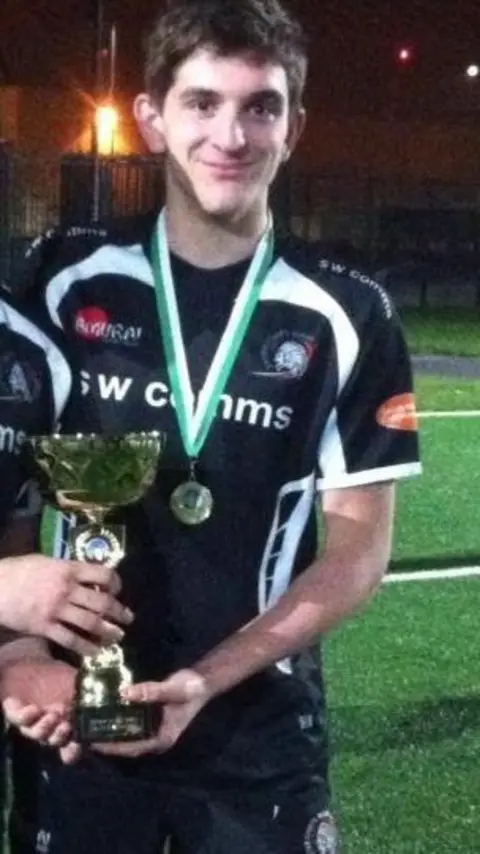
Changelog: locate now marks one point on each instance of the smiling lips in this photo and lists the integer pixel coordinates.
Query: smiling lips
(227, 170)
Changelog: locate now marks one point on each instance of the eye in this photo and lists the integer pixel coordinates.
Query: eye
(263, 111)
(204, 106)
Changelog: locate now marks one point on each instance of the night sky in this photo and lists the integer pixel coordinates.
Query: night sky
(354, 41)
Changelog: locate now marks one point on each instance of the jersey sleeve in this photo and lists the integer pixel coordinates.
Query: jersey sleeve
(35, 383)
(40, 264)
(372, 433)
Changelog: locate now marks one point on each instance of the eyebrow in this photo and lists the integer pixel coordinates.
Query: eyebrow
(269, 95)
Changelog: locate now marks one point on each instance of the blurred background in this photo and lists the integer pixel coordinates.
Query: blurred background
(387, 173)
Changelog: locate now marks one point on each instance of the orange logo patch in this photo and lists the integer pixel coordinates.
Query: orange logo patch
(398, 413)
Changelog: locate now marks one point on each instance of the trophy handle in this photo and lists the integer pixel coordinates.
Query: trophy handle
(94, 514)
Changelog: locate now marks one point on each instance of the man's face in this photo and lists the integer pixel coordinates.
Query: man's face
(225, 126)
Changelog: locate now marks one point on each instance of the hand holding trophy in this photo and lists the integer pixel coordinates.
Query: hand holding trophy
(90, 475)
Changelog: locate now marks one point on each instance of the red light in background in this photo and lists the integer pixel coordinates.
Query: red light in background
(405, 55)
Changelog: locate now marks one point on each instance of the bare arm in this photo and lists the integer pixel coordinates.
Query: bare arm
(18, 538)
(357, 549)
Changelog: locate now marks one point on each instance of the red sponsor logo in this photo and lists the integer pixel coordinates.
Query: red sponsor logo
(93, 324)
(398, 413)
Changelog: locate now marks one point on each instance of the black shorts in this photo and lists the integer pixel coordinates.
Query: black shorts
(3, 778)
(96, 811)
(25, 781)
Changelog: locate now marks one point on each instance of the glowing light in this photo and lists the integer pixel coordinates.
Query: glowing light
(405, 55)
(473, 71)
(106, 125)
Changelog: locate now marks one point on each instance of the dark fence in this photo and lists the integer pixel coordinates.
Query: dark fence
(422, 240)
(38, 194)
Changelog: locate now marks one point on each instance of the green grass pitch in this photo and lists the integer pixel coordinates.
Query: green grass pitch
(404, 694)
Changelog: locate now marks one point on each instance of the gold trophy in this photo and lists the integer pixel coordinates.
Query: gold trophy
(90, 475)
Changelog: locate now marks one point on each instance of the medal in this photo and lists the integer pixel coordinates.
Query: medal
(192, 502)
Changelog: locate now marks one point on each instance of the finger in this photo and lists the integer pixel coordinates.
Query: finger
(71, 753)
(100, 602)
(43, 729)
(68, 638)
(118, 612)
(93, 624)
(127, 749)
(61, 735)
(169, 691)
(61, 709)
(19, 714)
(95, 573)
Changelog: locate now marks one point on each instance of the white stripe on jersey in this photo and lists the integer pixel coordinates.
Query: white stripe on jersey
(363, 478)
(331, 456)
(28, 502)
(60, 374)
(287, 284)
(110, 260)
(283, 541)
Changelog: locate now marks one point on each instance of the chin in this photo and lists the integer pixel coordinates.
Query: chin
(225, 207)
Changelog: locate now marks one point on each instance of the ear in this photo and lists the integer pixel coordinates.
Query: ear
(296, 126)
(150, 123)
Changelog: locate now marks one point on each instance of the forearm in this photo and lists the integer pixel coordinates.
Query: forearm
(355, 558)
(8, 616)
(319, 600)
(19, 651)
(15, 647)
(19, 538)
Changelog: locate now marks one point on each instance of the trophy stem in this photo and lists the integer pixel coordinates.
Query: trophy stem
(97, 542)
(95, 515)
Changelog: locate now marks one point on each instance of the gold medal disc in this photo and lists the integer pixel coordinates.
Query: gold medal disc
(191, 503)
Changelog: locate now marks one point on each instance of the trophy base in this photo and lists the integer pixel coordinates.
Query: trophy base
(112, 723)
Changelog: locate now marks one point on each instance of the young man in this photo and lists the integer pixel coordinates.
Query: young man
(276, 375)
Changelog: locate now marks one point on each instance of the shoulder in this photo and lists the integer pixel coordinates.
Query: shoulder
(14, 320)
(21, 332)
(348, 288)
(64, 249)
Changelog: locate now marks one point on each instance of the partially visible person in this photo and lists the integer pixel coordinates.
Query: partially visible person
(39, 596)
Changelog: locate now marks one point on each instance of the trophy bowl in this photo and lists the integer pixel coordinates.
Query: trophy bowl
(88, 471)
(91, 475)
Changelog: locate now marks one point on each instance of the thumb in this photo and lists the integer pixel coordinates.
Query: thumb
(180, 688)
(11, 705)
(19, 713)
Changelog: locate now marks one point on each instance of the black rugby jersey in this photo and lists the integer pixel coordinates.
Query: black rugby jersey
(30, 399)
(320, 397)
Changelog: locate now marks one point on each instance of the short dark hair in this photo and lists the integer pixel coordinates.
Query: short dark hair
(261, 27)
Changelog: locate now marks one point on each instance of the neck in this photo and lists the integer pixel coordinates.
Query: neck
(212, 242)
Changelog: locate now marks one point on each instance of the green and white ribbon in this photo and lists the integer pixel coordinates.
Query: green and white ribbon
(195, 420)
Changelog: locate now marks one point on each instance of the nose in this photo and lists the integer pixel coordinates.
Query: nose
(229, 134)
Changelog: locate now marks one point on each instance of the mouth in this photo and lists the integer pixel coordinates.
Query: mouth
(228, 170)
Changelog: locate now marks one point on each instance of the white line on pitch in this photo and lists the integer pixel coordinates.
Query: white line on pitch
(432, 574)
(459, 413)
